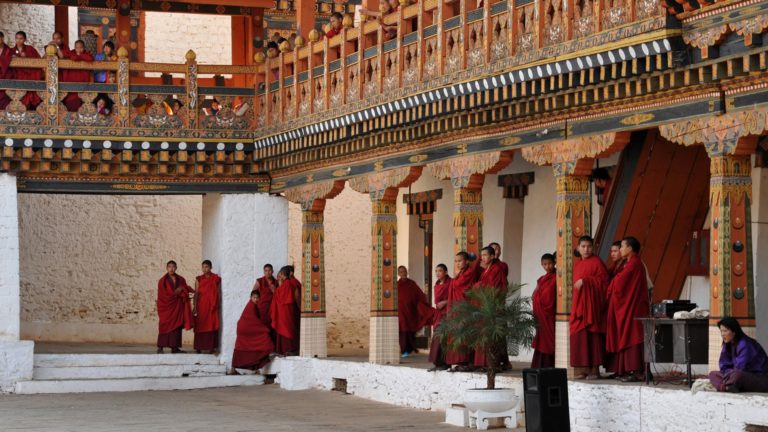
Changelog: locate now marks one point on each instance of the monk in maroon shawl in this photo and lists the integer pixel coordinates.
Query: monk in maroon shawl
(544, 302)
(413, 311)
(253, 344)
(283, 314)
(6, 54)
(72, 101)
(207, 306)
(616, 262)
(497, 249)
(627, 301)
(587, 327)
(441, 288)
(266, 286)
(30, 100)
(493, 274)
(466, 275)
(173, 309)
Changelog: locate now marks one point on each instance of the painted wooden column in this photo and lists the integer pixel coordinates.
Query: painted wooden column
(467, 174)
(383, 189)
(572, 162)
(312, 197)
(730, 140)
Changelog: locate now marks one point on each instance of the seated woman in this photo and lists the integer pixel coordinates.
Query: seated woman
(743, 363)
(253, 344)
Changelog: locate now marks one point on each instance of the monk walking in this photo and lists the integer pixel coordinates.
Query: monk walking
(207, 307)
(627, 301)
(442, 285)
(413, 311)
(544, 302)
(494, 275)
(466, 275)
(587, 327)
(253, 344)
(283, 313)
(173, 309)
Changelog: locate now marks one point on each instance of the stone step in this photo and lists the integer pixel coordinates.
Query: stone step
(98, 360)
(135, 384)
(113, 372)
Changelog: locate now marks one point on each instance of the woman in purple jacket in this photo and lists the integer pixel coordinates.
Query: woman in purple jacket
(743, 363)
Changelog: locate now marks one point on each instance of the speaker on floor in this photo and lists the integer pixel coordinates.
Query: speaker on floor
(546, 400)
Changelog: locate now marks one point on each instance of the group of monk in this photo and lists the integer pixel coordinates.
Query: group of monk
(414, 310)
(269, 324)
(605, 305)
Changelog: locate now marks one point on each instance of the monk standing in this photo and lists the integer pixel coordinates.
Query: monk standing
(253, 344)
(412, 311)
(173, 309)
(616, 262)
(543, 301)
(31, 99)
(72, 101)
(627, 301)
(5, 69)
(266, 286)
(587, 327)
(442, 285)
(466, 275)
(497, 250)
(207, 306)
(283, 314)
(493, 274)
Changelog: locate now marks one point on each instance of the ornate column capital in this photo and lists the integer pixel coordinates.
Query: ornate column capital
(566, 156)
(380, 185)
(312, 196)
(721, 134)
(463, 171)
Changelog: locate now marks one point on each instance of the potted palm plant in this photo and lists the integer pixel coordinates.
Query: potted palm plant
(486, 321)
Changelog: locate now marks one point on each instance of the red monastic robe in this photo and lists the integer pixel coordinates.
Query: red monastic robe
(504, 268)
(31, 100)
(413, 309)
(173, 309)
(462, 282)
(627, 300)
(495, 275)
(267, 289)
(208, 303)
(543, 301)
(72, 101)
(588, 302)
(5, 73)
(285, 319)
(616, 268)
(441, 294)
(253, 344)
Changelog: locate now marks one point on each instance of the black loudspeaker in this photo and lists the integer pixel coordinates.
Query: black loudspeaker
(546, 400)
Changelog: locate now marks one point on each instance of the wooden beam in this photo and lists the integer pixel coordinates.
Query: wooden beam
(267, 4)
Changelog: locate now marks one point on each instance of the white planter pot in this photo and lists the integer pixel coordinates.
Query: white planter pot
(490, 401)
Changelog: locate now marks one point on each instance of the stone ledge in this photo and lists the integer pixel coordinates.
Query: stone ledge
(16, 360)
(135, 384)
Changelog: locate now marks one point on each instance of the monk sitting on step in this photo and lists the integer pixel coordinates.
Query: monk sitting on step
(253, 344)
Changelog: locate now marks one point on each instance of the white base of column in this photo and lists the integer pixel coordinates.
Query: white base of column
(312, 340)
(562, 344)
(384, 342)
(16, 363)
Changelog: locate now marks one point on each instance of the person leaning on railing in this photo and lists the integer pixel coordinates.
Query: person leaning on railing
(335, 25)
(72, 101)
(5, 69)
(107, 54)
(30, 100)
(390, 6)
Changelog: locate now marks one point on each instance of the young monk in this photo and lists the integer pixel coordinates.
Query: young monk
(283, 313)
(57, 40)
(72, 101)
(616, 262)
(743, 362)
(6, 54)
(172, 309)
(466, 275)
(587, 327)
(413, 311)
(335, 25)
(497, 250)
(544, 300)
(493, 274)
(266, 286)
(442, 285)
(253, 344)
(627, 301)
(207, 307)
(30, 100)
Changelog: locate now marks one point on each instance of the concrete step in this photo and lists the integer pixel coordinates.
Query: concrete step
(135, 384)
(107, 360)
(115, 372)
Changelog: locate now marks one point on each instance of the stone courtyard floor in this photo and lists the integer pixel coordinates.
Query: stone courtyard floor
(241, 409)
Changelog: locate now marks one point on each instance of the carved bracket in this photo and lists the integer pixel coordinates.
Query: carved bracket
(565, 155)
(380, 184)
(720, 134)
(309, 194)
(461, 169)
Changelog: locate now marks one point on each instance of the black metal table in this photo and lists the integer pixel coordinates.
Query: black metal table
(675, 341)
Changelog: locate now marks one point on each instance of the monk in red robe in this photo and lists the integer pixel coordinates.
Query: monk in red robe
(72, 101)
(266, 286)
(493, 274)
(207, 306)
(413, 311)
(173, 309)
(497, 249)
(283, 312)
(466, 275)
(587, 327)
(544, 302)
(616, 262)
(30, 100)
(627, 301)
(253, 344)
(6, 54)
(441, 288)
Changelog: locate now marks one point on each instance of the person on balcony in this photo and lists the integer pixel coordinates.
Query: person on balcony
(72, 101)
(31, 99)
(544, 301)
(602, 180)
(207, 310)
(107, 54)
(389, 7)
(253, 344)
(413, 311)
(6, 72)
(173, 309)
(57, 40)
(743, 362)
(335, 25)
